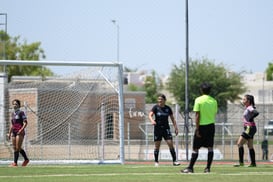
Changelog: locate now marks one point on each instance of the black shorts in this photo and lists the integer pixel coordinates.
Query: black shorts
(15, 133)
(207, 137)
(249, 132)
(162, 132)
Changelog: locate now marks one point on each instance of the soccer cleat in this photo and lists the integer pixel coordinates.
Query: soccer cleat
(13, 165)
(176, 163)
(187, 170)
(207, 170)
(156, 164)
(252, 165)
(238, 165)
(25, 163)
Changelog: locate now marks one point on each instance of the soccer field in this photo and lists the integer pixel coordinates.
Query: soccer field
(134, 172)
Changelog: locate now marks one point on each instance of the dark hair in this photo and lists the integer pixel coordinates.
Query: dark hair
(17, 102)
(250, 98)
(205, 88)
(162, 95)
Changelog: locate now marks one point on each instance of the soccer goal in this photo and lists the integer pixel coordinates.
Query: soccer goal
(75, 116)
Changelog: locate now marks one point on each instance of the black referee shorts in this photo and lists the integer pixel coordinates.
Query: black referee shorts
(207, 137)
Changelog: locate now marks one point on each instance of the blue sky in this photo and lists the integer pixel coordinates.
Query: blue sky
(237, 33)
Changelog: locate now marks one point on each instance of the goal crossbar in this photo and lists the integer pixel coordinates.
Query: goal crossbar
(59, 63)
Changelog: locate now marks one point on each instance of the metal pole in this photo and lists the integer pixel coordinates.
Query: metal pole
(3, 109)
(118, 43)
(117, 25)
(121, 115)
(264, 136)
(26, 135)
(128, 142)
(176, 137)
(69, 140)
(6, 27)
(102, 133)
(187, 83)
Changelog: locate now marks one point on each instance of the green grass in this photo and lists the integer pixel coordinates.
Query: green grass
(128, 173)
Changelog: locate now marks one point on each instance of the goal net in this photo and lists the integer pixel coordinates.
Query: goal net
(75, 116)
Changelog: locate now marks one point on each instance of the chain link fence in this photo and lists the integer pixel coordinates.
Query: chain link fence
(229, 127)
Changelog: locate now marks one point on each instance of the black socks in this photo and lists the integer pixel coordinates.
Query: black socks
(156, 153)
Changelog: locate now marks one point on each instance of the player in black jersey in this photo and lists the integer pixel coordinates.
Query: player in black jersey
(158, 116)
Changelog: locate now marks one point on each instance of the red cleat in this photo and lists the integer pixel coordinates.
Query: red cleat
(25, 163)
(13, 165)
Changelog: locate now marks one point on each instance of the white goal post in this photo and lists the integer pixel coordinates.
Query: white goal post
(75, 116)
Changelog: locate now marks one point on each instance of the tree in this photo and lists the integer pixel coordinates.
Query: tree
(226, 85)
(269, 72)
(126, 69)
(134, 88)
(151, 87)
(13, 49)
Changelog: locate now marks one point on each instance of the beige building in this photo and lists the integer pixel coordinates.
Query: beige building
(261, 89)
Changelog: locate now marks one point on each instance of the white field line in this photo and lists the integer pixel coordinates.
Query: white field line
(136, 174)
(249, 173)
(85, 175)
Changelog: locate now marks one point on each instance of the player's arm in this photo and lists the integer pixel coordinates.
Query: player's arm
(197, 123)
(10, 130)
(151, 114)
(254, 113)
(24, 126)
(174, 124)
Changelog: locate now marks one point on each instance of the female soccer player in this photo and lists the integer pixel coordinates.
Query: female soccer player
(17, 132)
(162, 128)
(249, 131)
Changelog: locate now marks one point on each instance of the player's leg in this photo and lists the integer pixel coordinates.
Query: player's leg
(158, 133)
(240, 143)
(15, 157)
(194, 155)
(251, 153)
(169, 140)
(172, 151)
(156, 152)
(209, 159)
(209, 143)
(16, 142)
(22, 151)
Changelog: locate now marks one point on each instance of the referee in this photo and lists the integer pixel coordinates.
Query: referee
(205, 108)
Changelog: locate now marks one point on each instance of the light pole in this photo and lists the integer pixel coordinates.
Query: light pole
(5, 27)
(117, 25)
(187, 81)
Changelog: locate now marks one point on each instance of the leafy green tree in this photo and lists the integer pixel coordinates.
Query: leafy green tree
(226, 85)
(269, 72)
(133, 87)
(151, 87)
(14, 49)
(126, 69)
